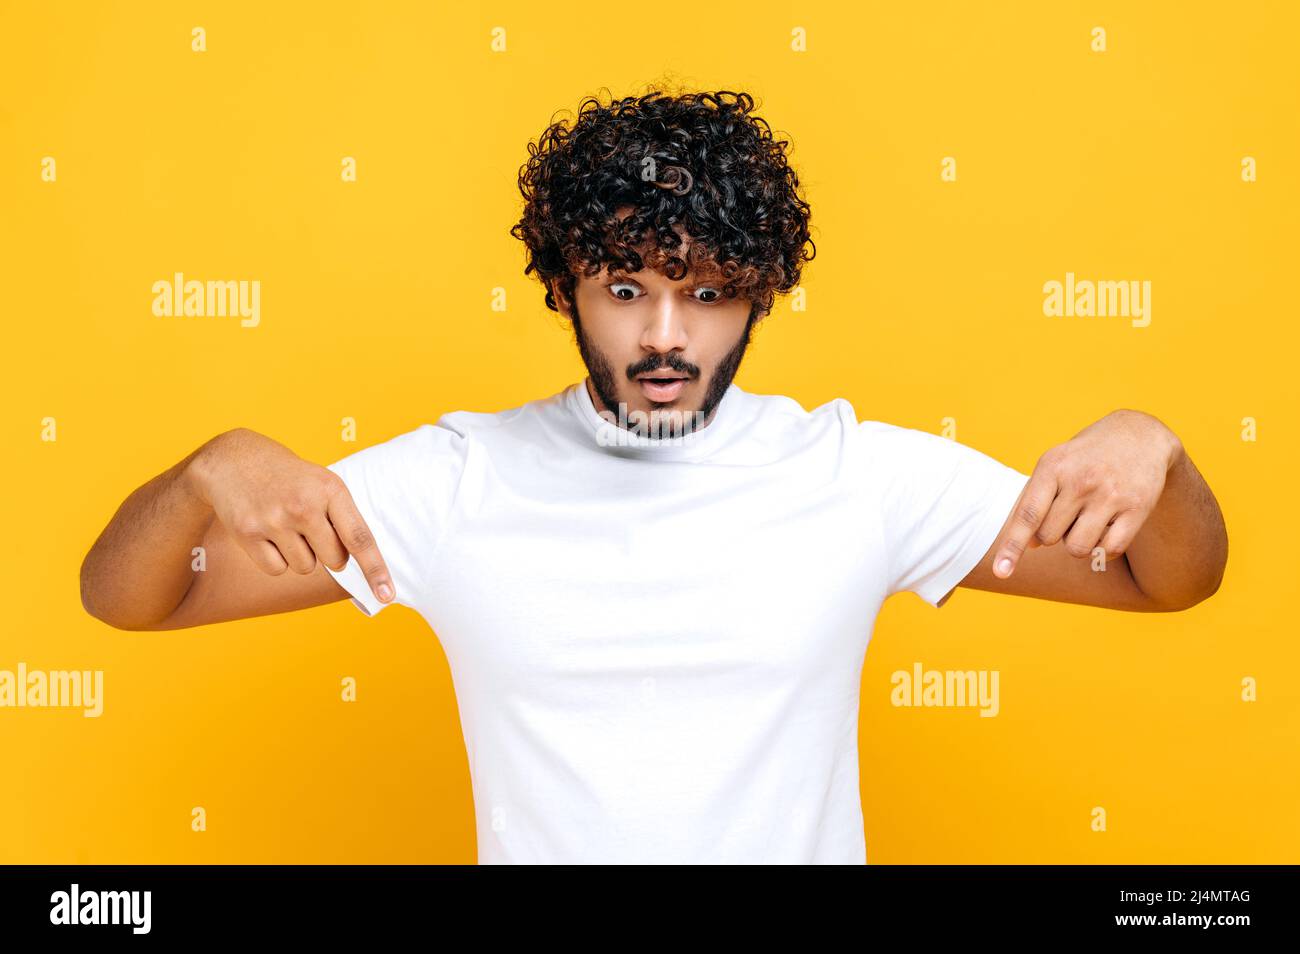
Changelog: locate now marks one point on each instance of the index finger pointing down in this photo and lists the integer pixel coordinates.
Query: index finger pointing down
(360, 543)
(1026, 517)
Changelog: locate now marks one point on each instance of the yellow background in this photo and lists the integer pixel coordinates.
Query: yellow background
(925, 301)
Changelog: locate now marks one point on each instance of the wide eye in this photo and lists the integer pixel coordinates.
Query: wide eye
(717, 295)
(628, 286)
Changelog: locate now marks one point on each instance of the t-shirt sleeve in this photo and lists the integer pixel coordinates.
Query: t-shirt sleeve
(941, 505)
(404, 489)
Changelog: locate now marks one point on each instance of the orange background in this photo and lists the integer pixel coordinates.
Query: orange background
(924, 302)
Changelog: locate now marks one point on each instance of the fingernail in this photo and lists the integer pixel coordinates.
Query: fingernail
(1004, 566)
(385, 593)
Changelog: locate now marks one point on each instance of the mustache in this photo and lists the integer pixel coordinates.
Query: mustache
(659, 362)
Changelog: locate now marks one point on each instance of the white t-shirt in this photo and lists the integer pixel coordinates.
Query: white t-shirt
(657, 650)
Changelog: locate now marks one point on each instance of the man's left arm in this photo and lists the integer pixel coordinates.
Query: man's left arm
(1125, 484)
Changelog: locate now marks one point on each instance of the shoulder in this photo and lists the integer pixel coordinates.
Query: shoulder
(922, 463)
(442, 444)
(484, 424)
(778, 427)
(423, 440)
(782, 411)
(882, 436)
(897, 451)
(457, 437)
(459, 430)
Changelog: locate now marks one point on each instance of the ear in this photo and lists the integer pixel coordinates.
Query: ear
(561, 302)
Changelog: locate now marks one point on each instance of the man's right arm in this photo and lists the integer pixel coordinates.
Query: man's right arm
(258, 511)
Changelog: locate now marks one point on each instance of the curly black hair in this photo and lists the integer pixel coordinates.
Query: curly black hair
(698, 159)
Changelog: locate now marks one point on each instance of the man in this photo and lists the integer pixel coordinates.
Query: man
(655, 589)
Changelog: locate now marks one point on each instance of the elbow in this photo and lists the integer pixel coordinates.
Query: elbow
(1214, 586)
(92, 607)
(89, 605)
(1194, 598)
(1182, 605)
(1207, 586)
(84, 583)
(1216, 579)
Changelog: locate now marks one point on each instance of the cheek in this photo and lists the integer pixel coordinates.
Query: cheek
(618, 340)
(603, 327)
(723, 337)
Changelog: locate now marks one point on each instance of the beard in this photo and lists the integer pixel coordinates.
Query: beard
(603, 379)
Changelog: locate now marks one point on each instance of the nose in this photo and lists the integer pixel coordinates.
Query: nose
(665, 328)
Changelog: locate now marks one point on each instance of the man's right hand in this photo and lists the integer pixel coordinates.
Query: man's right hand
(283, 511)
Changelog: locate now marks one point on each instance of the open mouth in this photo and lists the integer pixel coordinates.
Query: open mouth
(662, 388)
